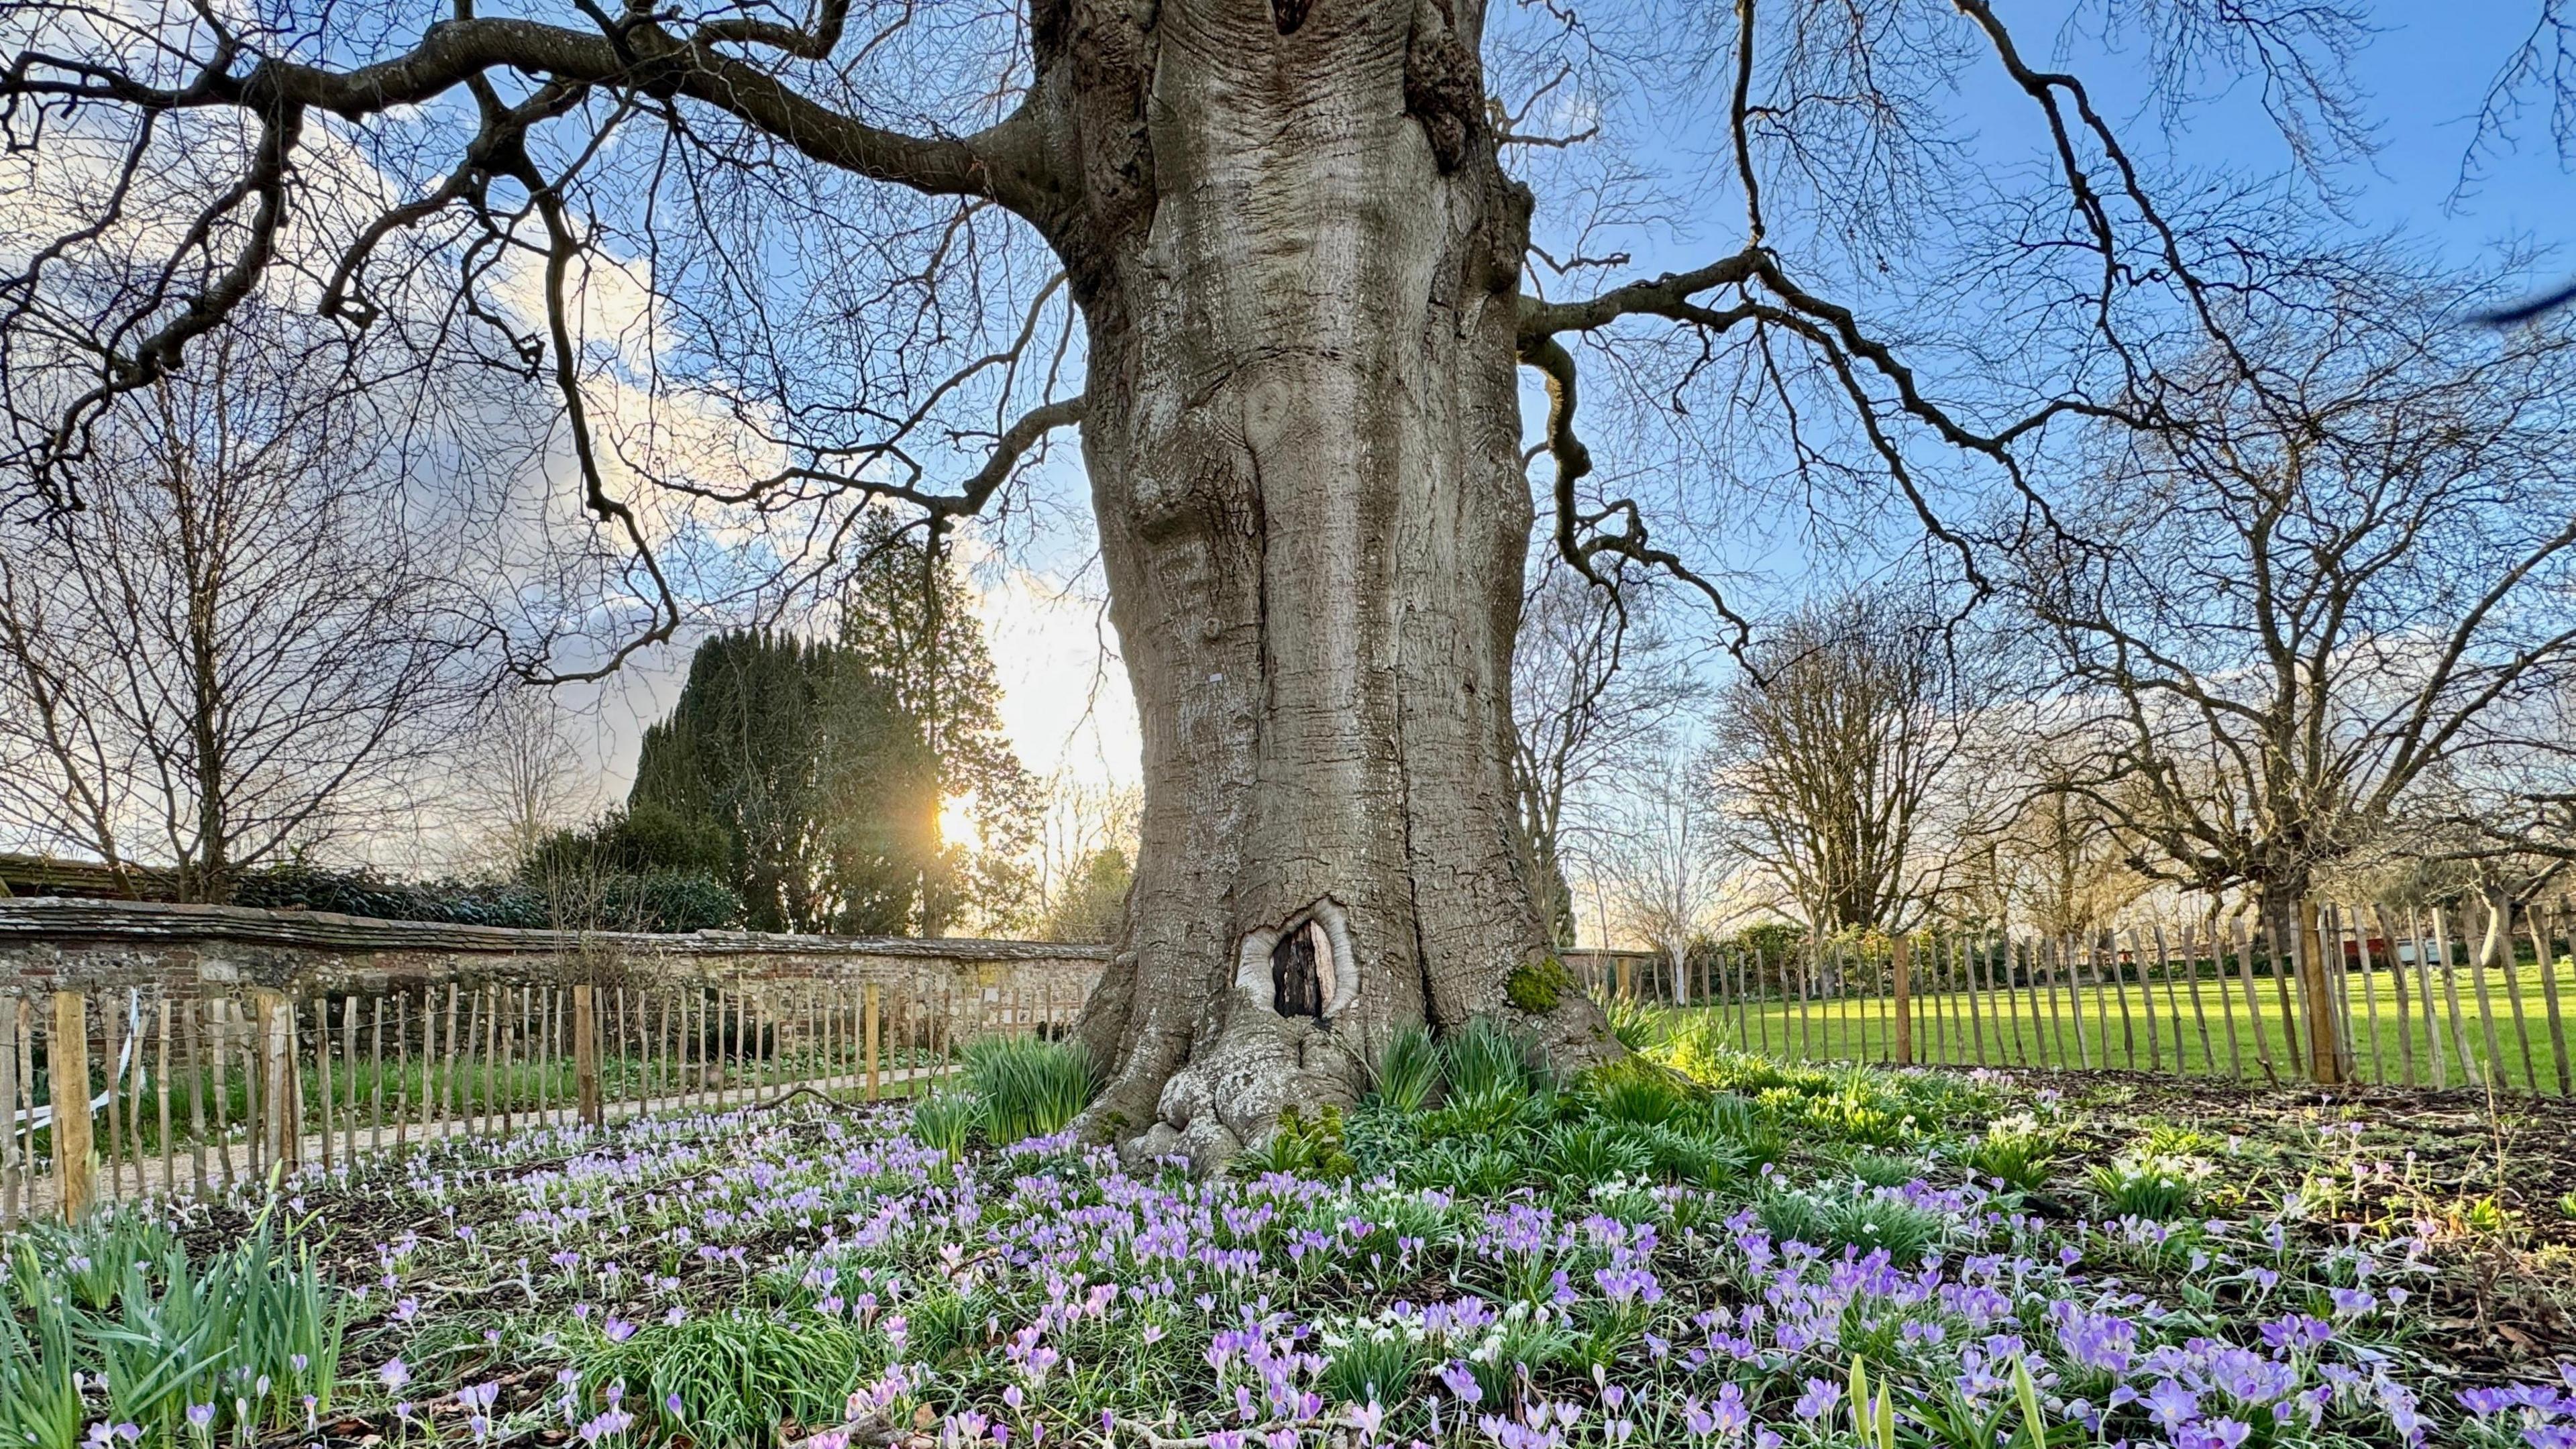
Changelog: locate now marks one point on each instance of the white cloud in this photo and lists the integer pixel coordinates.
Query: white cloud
(1065, 700)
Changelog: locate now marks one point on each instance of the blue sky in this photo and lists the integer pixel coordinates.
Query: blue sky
(2423, 76)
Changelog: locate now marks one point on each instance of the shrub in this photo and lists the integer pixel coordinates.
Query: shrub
(1408, 1071)
(1027, 1086)
(640, 900)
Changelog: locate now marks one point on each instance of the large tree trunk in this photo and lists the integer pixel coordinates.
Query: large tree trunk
(1303, 438)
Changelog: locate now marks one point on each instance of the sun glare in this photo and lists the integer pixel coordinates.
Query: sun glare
(957, 825)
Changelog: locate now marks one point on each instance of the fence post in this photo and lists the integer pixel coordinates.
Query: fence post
(868, 1027)
(2325, 1032)
(67, 1063)
(280, 1087)
(1903, 975)
(585, 1051)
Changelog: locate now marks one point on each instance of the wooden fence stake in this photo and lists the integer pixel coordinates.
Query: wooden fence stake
(13, 1025)
(281, 1141)
(868, 1031)
(2503, 926)
(322, 1073)
(161, 1090)
(67, 1062)
(585, 1051)
(2349, 920)
(2540, 947)
(2496, 1073)
(2396, 983)
(2325, 1036)
(2470, 1069)
(111, 1033)
(1901, 976)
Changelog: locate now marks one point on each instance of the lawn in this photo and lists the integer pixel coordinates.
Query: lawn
(2162, 1027)
(1700, 1247)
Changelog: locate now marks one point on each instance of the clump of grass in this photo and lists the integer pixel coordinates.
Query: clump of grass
(2015, 1151)
(253, 1330)
(40, 1396)
(936, 1323)
(1483, 1058)
(2169, 1139)
(2157, 1186)
(1408, 1071)
(1882, 1169)
(734, 1375)
(1685, 1157)
(1597, 1152)
(944, 1120)
(1027, 1086)
(1745, 1126)
(1864, 1222)
(1522, 1347)
(1643, 1026)
(1636, 1090)
(1463, 1167)
(1370, 1361)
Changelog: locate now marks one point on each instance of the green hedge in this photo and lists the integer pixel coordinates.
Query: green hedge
(643, 900)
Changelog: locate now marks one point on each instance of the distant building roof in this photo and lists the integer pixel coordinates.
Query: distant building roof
(43, 875)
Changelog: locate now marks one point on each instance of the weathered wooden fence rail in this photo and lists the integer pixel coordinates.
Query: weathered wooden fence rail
(122, 1094)
(213, 1044)
(2415, 997)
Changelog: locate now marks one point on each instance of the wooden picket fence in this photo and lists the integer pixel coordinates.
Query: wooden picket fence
(2395, 996)
(125, 1094)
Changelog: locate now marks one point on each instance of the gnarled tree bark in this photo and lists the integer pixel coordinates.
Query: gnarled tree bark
(1302, 430)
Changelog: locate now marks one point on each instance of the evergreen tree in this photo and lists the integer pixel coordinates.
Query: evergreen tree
(816, 776)
(908, 619)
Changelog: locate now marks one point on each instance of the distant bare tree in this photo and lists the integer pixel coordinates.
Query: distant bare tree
(1661, 857)
(244, 633)
(2352, 574)
(2058, 863)
(527, 779)
(1837, 749)
(1086, 851)
(1596, 686)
